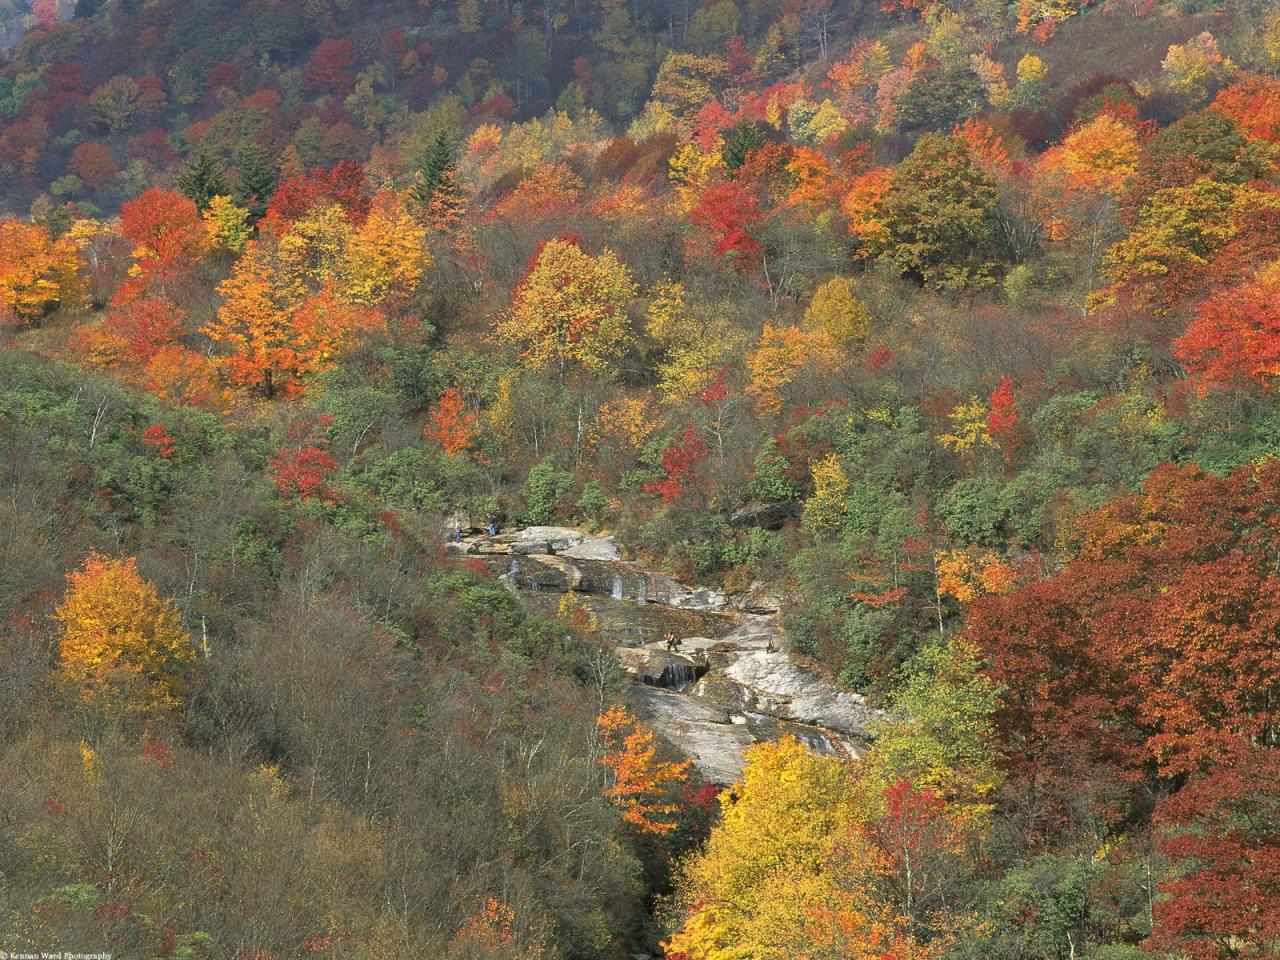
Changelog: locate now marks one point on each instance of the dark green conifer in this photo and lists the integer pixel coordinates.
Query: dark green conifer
(203, 179)
(435, 172)
(256, 180)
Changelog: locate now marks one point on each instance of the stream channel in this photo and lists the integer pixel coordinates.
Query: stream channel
(733, 681)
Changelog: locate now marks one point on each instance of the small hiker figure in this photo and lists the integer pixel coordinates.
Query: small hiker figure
(493, 529)
(768, 647)
(672, 642)
(457, 531)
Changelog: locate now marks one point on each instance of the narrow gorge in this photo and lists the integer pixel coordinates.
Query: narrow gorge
(731, 682)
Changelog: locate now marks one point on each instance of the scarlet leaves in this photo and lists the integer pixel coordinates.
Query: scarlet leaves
(1223, 829)
(1235, 336)
(1157, 646)
(302, 473)
(164, 227)
(1002, 418)
(682, 462)
(342, 184)
(731, 216)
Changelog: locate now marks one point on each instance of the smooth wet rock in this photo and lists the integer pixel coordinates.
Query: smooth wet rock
(770, 516)
(593, 548)
(659, 667)
(698, 729)
(537, 572)
(529, 547)
(558, 539)
(773, 685)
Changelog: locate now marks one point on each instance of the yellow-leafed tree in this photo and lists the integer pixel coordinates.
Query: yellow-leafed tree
(746, 896)
(570, 310)
(117, 628)
(836, 311)
(387, 255)
(37, 273)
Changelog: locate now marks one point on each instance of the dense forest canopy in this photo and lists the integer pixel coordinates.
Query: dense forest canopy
(954, 327)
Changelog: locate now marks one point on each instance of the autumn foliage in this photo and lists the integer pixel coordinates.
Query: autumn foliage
(37, 274)
(642, 786)
(1154, 649)
(117, 629)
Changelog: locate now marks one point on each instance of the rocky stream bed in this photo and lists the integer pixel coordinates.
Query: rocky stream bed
(733, 681)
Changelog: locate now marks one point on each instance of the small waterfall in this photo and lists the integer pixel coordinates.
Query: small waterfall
(509, 578)
(680, 676)
(674, 676)
(616, 592)
(642, 593)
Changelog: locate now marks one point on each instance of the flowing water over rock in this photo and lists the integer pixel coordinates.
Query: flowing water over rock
(729, 683)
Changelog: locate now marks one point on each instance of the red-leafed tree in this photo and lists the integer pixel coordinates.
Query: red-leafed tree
(342, 184)
(302, 473)
(1222, 830)
(157, 439)
(731, 217)
(329, 69)
(1155, 648)
(168, 237)
(1253, 105)
(92, 162)
(1003, 415)
(1235, 337)
(914, 841)
(682, 462)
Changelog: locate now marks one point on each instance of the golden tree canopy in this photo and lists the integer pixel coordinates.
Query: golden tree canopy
(117, 627)
(570, 310)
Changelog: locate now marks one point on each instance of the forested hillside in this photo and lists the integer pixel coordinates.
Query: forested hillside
(952, 328)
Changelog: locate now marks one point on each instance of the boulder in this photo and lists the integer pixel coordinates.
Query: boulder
(700, 598)
(757, 598)
(557, 539)
(771, 684)
(698, 729)
(593, 548)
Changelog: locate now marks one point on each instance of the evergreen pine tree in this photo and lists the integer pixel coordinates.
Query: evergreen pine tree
(203, 179)
(256, 180)
(742, 139)
(435, 172)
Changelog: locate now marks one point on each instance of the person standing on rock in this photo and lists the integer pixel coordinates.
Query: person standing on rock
(493, 528)
(672, 642)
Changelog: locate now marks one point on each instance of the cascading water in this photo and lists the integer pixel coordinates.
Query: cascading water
(509, 578)
(680, 676)
(616, 592)
(674, 676)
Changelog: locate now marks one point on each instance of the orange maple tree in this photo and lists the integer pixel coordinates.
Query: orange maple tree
(37, 273)
(451, 425)
(642, 784)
